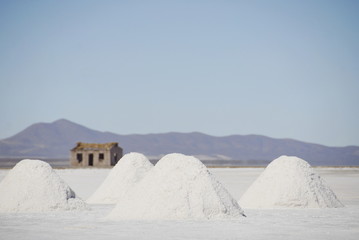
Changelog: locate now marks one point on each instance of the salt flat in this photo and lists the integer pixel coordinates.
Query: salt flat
(330, 223)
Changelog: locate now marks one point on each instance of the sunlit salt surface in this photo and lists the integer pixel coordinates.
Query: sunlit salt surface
(289, 182)
(131, 168)
(333, 223)
(33, 186)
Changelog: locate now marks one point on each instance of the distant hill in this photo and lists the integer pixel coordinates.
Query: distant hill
(54, 140)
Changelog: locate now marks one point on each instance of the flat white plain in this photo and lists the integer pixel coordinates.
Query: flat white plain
(260, 224)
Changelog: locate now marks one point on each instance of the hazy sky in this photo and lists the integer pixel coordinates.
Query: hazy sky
(284, 69)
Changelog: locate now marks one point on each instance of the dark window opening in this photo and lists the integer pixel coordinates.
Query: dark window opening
(79, 157)
(91, 159)
(101, 156)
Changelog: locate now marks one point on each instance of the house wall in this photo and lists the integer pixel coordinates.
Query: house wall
(110, 157)
(116, 155)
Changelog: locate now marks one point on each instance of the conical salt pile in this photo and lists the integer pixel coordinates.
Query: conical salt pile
(178, 187)
(289, 182)
(128, 171)
(33, 186)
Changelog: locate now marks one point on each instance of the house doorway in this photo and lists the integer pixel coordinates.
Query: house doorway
(90, 159)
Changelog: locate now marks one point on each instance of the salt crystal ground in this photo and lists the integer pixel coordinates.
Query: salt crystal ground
(289, 182)
(178, 187)
(33, 186)
(122, 178)
(332, 223)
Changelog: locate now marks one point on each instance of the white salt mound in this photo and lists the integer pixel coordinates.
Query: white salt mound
(178, 187)
(131, 168)
(33, 186)
(289, 182)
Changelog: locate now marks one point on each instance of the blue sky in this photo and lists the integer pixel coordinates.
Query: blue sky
(284, 69)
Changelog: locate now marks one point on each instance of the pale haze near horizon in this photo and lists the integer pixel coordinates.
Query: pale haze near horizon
(284, 69)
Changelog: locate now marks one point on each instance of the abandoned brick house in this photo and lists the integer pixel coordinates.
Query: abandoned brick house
(95, 154)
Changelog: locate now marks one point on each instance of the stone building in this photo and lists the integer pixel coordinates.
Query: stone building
(95, 154)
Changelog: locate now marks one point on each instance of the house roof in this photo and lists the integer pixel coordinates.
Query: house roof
(94, 146)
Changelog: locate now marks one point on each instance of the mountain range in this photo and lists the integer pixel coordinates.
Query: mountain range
(54, 140)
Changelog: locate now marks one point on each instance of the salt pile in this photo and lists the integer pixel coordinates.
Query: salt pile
(178, 187)
(128, 171)
(289, 182)
(33, 186)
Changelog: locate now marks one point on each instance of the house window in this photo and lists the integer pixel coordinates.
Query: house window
(101, 156)
(79, 157)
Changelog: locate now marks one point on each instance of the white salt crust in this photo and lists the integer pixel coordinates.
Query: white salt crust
(131, 168)
(33, 186)
(289, 182)
(178, 187)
